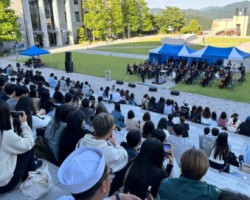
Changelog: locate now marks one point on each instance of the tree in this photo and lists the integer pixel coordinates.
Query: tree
(82, 35)
(115, 18)
(9, 28)
(173, 18)
(95, 18)
(145, 20)
(193, 26)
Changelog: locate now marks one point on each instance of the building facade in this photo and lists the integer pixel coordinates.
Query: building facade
(236, 26)
(48, 22)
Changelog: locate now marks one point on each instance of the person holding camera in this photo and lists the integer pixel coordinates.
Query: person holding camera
(147, 169)
(16, 151)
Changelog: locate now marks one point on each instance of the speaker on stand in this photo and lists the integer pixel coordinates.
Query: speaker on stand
(69, 66)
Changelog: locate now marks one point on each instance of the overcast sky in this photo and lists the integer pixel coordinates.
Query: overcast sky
(185, 4)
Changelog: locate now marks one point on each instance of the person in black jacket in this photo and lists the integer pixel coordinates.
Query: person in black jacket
(147, 169)
(71, 134)
(244, 127)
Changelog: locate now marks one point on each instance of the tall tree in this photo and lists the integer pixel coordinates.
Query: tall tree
(145, 20)
(193, 26)
(95, 18)
(115, 17)
(173, 18)
(9, 28)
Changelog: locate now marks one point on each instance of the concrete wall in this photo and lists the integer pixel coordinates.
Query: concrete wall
(177, 40)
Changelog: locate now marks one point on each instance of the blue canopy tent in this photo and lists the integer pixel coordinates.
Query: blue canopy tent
(186, 51)
(237, 54)
(210, 52)
(162, 53)
(34, 51)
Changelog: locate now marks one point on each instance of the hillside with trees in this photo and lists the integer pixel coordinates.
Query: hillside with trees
(206, 15)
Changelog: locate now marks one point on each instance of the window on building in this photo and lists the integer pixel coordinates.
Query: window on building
(77, 16)
(76, 2)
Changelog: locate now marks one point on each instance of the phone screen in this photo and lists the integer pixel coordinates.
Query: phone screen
(167, 147)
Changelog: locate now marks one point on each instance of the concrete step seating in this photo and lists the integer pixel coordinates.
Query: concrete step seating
(236, 181)
(56, 191)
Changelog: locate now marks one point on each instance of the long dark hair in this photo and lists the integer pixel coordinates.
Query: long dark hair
(221, 146)
(5, 123)
(151, 156)
(24, 104)
(60, 116)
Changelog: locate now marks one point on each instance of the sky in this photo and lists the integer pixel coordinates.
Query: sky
(186, 4)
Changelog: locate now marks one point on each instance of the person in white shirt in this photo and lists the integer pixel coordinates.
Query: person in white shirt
(180, 144)
(116, 97)
(16, 153)
(116, 156)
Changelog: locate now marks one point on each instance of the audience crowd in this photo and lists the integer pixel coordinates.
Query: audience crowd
(76, 127)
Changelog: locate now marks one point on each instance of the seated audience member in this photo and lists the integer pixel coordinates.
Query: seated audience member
(246, 157)
(116, 97)
(206, 116)
(131, 122)
(123, 97)
(88, 112)
(52, 81)
(132, 144)
(233, 123)
(58, 95)
(194, 165)
(230, 195)
(185, 110)
(147, 169)
(244, 127)
(100, 92)
(132, 100)
(56, 127)
(162, 125)
(16, 150)
(145, 101)
(118, 116)
(221, 155)
(146, 117)
(13, 101)
(46, 103)
(159, 134)
(185, 126)
(202, 137)
(9, 92)
(35, 99)
(170, 124)
(106, 94)
(100, 104)
(152, 104)
(198, 113)
(206, 141)
(213, 119)
(148, 129)
(116, 156)
(179, 143)
(168, 108)
(193, 114)
(160, 105)
(71, 134)
(91, 180)
(222, 121)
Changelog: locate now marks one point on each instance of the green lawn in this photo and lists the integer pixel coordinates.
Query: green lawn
(95, 65)
(225, 41)
(241, 93)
